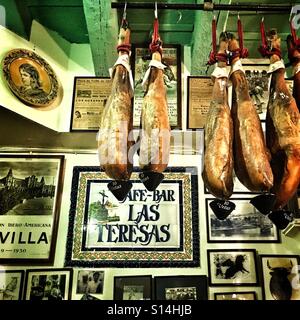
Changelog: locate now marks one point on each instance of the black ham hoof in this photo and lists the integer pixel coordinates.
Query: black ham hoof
(264, 203)
(120, 188)
(151, 180)
(281, 218)
(222, 208)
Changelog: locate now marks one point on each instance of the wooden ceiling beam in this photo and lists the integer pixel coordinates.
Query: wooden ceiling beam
(102, 28)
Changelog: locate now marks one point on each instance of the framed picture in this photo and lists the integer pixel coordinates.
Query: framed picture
(232, 267)
(199, 97)
(89, 282)
(147, 229)
(48, 284)
(171, 58)
(244, 224)
(11, 284)
(133, 288)
(30, 196)
(31, 78)
(181, 287)
(280, 275)
(242, 295)
(89, 98)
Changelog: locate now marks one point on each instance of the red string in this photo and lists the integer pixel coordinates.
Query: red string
(264, 48)
(156, 43)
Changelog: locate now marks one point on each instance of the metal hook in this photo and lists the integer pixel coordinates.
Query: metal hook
(155, 10)
(179, 16)
(238, 15)
(124, 11)
(291, 13)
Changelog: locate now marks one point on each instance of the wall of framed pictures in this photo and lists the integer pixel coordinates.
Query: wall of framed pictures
(52, 245)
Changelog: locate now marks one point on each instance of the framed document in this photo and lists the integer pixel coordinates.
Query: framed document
(11, 284)
(199, 97)
(171, 58)
(89, 97)
(148, 229)
(30, 194)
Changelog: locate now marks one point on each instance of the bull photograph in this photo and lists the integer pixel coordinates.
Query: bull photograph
(280, 277)
(232, 267)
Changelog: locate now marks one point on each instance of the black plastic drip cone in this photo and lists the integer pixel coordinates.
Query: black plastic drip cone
(264, 203)
(281, 218)
(119, 188)
(222, 208)
(151, 180)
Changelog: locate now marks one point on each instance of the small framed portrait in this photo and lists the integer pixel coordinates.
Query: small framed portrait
(88, 282)
(232, 267)
(133, 288)
(11, 284)
(244, 224)
(243, 295)
(48, 284)
(181, 287)
(280, 274)
(31, 78)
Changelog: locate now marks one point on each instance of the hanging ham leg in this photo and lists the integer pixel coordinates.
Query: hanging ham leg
(117, 120)
(218, 159)
(282, 132)
(155, 127)
(251, 159)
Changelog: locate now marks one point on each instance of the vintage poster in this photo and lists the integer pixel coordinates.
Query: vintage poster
(29, 204)
(172, 78)
(199, 99)
(89, 98)
(157, 228)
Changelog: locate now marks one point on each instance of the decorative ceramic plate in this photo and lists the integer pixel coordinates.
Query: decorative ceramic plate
(30, 78)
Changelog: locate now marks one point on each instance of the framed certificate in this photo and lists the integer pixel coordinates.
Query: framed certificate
(199, 97)
(171, 58)
(30, 196)
(89, 97)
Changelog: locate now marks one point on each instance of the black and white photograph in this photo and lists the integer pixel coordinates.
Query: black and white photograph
(133, 287)
(11, 284)
(181, 287)
(243, 295)
(30, 196)
(48, 284)
(280, 274)
(232, 267)
(184, 293)
(90, 281)
(258, 82)
(244, 224)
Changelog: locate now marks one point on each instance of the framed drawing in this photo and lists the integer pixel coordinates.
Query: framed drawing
(89, 98)
(148, 229)
(30, 196)
(133, 288)
(199, 97)
(31, 78)
(181, 288)
(48, 284)
(172, 78)
(232, 267)
(242, 295)
(89, 282)
(280, 275)
(11, 284)
(244, 224)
